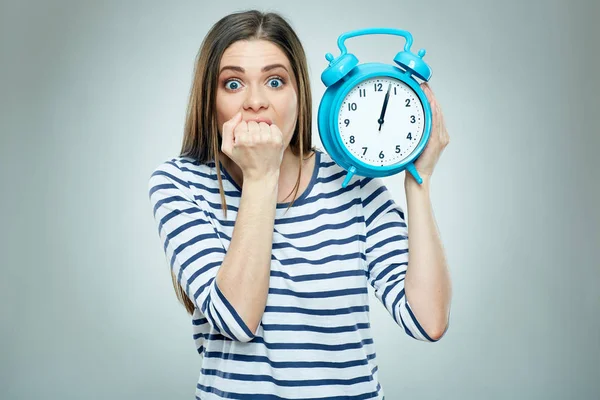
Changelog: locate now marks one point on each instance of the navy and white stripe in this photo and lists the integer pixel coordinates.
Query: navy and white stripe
(314, 340)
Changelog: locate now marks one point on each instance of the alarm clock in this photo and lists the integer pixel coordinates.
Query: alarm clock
(374, 119)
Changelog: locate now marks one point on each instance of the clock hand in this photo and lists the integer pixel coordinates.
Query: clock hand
(385, 102)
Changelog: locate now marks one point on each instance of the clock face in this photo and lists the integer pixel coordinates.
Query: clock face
(381, 121)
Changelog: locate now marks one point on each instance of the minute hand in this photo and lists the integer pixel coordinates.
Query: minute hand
(385, 102)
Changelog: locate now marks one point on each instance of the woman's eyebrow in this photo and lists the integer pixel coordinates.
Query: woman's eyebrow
(264, 69)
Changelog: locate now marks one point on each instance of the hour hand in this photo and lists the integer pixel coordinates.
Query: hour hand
(385, 103)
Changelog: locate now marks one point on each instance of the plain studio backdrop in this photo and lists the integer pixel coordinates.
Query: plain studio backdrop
(93, 98)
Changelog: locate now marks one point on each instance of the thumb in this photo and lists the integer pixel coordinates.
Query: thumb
(237, 117)
(228, 128)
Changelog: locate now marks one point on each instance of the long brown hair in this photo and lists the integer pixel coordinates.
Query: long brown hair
(201, 140)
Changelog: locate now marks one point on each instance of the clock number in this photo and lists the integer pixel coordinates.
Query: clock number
(365, 151)
(381, 155)
(394, 90)
(352, 106)
(347, 122)
(407, 102)
(362, 92)
(409, 137)
(352, 139)
(412, 119)
(378, 87)
(398, 148)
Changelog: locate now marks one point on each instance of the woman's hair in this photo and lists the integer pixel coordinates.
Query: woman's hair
(201, 140)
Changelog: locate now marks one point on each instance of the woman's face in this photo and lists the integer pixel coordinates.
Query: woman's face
(255, 77)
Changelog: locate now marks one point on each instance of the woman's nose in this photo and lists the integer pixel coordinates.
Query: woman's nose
(255, 99)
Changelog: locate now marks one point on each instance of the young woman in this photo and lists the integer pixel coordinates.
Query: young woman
(269, 254)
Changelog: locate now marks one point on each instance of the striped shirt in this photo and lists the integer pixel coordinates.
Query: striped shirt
(314, 340)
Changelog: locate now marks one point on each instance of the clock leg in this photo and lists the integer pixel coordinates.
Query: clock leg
(349, 176)
(410, 167)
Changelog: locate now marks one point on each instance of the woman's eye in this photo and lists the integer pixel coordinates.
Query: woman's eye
(274, 84)
(232, 85)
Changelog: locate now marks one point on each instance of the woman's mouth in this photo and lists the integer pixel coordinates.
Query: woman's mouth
(260, 119)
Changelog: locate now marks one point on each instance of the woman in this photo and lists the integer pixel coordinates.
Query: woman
(277, 289)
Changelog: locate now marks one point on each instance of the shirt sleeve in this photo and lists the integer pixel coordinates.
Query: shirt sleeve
(193, 249)
(386, 252)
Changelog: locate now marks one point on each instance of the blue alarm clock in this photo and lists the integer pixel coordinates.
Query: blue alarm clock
(374, 119)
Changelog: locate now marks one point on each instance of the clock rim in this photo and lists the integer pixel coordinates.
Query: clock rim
(364, 72)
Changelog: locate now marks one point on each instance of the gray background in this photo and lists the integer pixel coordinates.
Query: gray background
(93, 97)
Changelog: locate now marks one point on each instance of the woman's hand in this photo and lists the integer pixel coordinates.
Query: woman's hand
(257, 148)
(438, 139)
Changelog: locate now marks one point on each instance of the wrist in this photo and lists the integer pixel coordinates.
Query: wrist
(410, 183)
(267, 181)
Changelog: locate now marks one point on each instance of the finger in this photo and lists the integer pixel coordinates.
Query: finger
(265, 131)
(276, 134)
(253, 128)
(227, 131)
(427, 86)
(232, 123)
(240, 133)
(428, 92)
